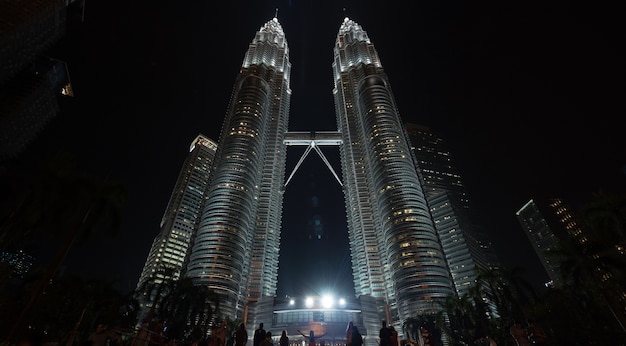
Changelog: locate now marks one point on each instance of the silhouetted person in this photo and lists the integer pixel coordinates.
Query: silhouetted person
(385, 335)
(356, 337)
(349, 330)
(241, 336)
(393, 336)
(259, 335)
(284, 339)
(267, 341)
(311, 337)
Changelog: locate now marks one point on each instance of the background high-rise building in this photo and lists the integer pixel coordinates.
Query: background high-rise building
(545, 222)
(570, 245)
(180, 221)
(466, 248)
(19, 263)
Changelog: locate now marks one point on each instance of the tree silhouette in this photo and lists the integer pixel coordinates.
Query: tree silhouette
(186, 307)
(64, 201)
(156, 288)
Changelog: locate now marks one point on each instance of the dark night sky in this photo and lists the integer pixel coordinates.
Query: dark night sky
(528, 95)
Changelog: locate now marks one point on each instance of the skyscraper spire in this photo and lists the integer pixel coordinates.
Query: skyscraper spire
(398, 263)
(396, 255)
(236, 249)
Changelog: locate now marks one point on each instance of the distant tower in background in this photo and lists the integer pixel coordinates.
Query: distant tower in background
(466, 249)
(544, 222)
(19, 262)
(181, 218)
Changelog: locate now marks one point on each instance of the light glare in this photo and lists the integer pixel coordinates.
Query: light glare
(327, 301)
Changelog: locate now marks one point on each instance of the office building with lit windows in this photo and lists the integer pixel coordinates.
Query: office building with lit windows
(180, 221)
(19, 263)
(544, 222)
(467, 250)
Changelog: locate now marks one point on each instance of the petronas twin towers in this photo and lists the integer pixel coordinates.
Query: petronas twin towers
(235, 251)
(398, 264)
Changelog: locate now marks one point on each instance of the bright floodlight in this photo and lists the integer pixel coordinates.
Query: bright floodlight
(327, 301)
(292, 301)
(309, 302)
(342, 302)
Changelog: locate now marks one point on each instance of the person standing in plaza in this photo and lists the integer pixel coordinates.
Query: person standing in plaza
(357, 338)
(268, 341)
(349, 333)
(312, 338)
(259, 335)
(385, 335)
(284, 339)
(241, 336)
(393, 336)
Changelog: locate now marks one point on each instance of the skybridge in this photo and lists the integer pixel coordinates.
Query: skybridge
(313, 140)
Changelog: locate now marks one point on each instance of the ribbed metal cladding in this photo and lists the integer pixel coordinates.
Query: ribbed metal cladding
(241, 221)
(382, 186)
(180, 219)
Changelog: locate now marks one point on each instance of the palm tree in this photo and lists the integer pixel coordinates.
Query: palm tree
(411, 328)
(69, 303)
(62, 197)
(232, 325)
(605, 218)
(508, 291)
(605, 227)
(482, 314)
(584, 266)
(63, 201)
(457, 319)
(186, 307)
(156, 288)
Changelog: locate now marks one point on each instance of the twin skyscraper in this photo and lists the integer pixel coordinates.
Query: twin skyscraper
(224, 226)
